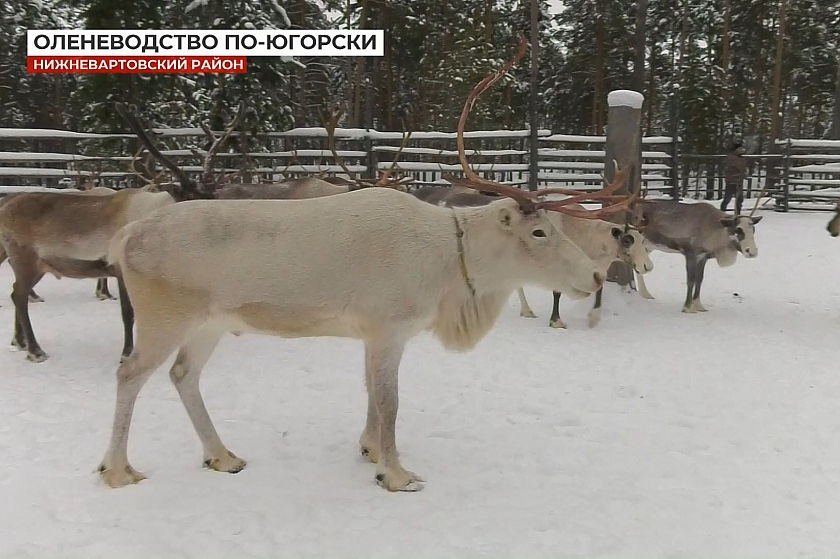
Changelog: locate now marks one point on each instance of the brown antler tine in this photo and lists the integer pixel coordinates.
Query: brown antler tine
(209, 133)
(218, 142)
(606, 195)
(185, 182)
(525, 199)
(561, 206)
(330, 124)
(471, 99)
(387, 173)
(133, 167)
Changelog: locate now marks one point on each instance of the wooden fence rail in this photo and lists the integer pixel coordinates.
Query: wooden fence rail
(807, 171)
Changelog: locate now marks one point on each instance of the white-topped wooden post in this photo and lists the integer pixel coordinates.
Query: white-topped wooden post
(624, 145)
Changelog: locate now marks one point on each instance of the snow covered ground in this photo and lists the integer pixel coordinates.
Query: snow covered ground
(657, 434)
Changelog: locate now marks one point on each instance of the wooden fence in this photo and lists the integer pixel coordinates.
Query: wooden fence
(807, 172)
(52, 158)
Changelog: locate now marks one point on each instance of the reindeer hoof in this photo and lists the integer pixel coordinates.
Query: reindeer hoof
(400, 480)
(33, 298)
(557, 323)
(371, 453)
(37, 357)
(689, 310)
(527, 314)
(120, 478)
(17, 345)
(230, 464)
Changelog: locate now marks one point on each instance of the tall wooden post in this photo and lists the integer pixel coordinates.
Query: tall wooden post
(534, 168)
(624, 145)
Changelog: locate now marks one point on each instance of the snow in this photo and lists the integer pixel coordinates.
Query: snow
(46, 133)
(364, 133)
(195, 4)
(657, 434)
(832, 168)
(551, 152)
(833, 144)
(625, 98)
(452, 153)
(42, 157)
(282, 12)
(574, 138)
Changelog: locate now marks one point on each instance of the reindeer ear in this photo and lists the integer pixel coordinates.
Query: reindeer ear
(728, 221)
(756, 219)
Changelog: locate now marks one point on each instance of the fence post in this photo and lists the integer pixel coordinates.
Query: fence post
(786, 183)
(624, 145)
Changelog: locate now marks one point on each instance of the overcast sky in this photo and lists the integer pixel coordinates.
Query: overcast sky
(554, 5)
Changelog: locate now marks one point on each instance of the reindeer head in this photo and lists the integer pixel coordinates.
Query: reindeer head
(560, 264)
(741, 229)
(633, 249)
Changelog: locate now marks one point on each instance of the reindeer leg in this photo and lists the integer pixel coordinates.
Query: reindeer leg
(695, 302)
(690, 273)
(643, 290)
(34, 297)
(24, 263)
(555, 321)
(185, 374)
(369, 441)
(18, 339)
(524, 308)
(385, 356)
(127, 312)
(595, 313)
(154, 345)
(102, 291)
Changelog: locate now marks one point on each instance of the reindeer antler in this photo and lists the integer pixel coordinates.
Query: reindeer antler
(330, 123)
(186, 187)
(207, 178)
(156, 180)
(531, 201)
(383, 180)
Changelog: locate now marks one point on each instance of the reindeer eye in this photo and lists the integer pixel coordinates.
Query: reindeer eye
(627, 241)
(740, 233)
(538, 233)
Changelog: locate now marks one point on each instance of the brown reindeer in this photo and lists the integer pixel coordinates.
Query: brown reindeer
(68, 234)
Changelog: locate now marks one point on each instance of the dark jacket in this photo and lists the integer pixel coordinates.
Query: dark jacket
(735, 170)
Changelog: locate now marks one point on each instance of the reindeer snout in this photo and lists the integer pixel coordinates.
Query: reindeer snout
(599, 279)
(751, 252)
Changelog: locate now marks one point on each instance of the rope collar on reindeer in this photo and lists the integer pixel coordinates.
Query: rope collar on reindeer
(459, 235)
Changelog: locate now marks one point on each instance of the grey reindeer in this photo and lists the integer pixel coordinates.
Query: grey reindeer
(700, 232)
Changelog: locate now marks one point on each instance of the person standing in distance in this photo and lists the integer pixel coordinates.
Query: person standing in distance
(735, 171)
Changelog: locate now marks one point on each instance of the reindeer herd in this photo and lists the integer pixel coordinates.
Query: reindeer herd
(196, 259)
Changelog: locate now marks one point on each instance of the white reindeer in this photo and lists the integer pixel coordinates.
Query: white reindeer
(375, 264)
(604, 243)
